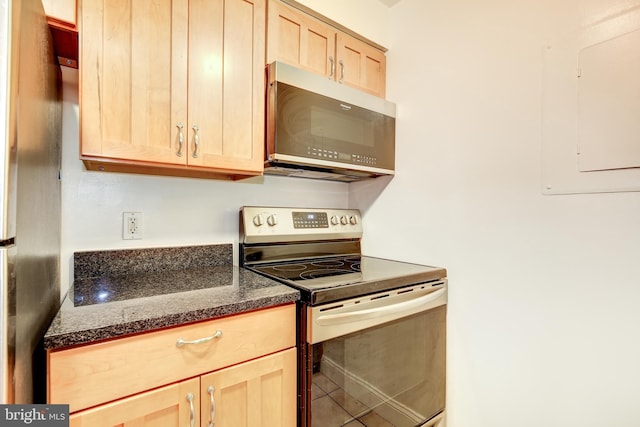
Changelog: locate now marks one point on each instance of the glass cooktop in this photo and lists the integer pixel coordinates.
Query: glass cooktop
(335, 278)
(317, 272)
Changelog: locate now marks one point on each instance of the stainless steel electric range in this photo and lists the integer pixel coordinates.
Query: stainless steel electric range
(371, 331)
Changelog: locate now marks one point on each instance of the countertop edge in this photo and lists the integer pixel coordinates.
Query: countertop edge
(56, 342)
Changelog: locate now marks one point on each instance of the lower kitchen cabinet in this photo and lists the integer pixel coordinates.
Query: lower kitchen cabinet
(165, 406)
(239, 369)
(259, 393)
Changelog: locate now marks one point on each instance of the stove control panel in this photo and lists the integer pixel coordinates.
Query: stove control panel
(279, 224)
(310, 219)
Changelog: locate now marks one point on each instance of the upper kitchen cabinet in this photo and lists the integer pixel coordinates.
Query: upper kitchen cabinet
(173, 87)
(360, 65)
(299, 39)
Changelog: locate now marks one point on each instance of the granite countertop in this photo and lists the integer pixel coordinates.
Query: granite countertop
(123, 292)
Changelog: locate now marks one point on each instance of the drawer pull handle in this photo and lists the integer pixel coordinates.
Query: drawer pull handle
(181, 342)
(192, 411)
(212, 406)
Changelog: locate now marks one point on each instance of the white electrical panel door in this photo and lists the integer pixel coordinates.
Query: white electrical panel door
(609, 104)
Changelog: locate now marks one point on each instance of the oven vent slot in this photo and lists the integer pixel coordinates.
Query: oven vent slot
(333, 307)
(437, 282)
(378, 297)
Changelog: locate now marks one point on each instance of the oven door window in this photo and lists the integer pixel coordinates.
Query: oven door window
(391, 374)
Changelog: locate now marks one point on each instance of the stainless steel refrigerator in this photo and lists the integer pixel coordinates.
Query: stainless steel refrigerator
(30, 140)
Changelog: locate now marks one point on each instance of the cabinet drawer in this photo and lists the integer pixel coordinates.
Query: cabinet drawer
(97, 373)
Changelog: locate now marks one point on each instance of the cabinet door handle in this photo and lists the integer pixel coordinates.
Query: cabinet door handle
(196, 140)
(333, 67)
(181, 342)
(212, 406)
(341, 62)
(180, 139)
(192, 411)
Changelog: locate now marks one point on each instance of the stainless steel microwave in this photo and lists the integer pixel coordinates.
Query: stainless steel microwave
(318, 128)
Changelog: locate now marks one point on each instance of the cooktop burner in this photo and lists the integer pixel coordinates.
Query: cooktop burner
(312, 269)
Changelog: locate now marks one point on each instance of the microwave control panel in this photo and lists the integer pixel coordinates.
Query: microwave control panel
(360, 159)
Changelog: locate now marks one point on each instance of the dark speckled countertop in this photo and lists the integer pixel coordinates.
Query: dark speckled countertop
(122, 292)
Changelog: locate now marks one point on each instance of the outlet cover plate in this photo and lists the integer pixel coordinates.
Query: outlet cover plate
(131, 225)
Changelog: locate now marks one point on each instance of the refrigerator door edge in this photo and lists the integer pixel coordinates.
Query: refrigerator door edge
(7, 322)
(8, 149)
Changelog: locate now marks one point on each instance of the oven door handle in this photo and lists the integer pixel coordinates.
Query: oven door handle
(406, 307)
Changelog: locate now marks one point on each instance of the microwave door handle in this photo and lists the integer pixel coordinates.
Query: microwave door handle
(410, 307)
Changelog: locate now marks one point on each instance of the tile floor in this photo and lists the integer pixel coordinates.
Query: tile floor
(333, 407)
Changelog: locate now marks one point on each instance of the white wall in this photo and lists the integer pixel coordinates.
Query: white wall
(543, 289)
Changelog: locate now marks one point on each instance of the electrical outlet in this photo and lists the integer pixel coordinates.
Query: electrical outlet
(131, 225)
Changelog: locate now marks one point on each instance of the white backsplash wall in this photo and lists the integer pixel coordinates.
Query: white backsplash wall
(176, 211)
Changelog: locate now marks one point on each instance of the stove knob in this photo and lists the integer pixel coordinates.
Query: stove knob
(258, 221)
(353, 220)
(272, 220)
(334, 220)
(344, 220)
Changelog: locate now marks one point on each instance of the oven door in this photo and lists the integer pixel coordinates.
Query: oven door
(377, 360)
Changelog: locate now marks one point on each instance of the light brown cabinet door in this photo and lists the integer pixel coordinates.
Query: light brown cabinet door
(162, 407)
(300, 40)
(174, 83)
(360, 65)
(226, 84)
(259, 393)
(133, 83)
